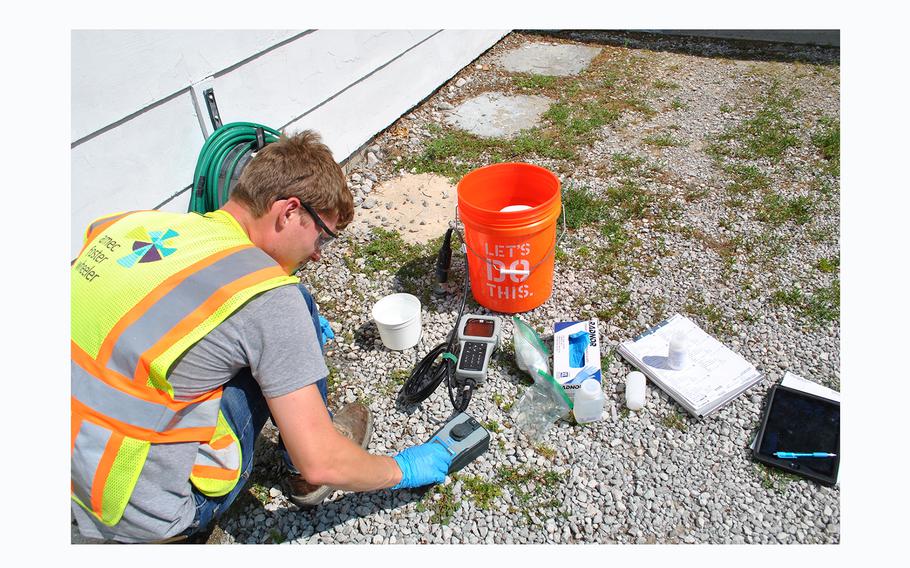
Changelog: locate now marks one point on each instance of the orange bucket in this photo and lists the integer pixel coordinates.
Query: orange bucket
(510, 212)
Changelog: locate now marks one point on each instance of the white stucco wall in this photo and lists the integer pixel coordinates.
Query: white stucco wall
(138, 120)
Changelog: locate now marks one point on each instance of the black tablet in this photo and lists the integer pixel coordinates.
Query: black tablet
(797, 422)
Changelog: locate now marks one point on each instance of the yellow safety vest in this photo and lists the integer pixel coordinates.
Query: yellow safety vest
(145, 288)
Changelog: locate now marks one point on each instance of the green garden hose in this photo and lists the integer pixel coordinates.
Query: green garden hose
(218, 161)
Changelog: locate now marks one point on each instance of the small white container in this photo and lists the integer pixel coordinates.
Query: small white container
(635, 390)
(589, 401)
(397, 317)
(678, 353)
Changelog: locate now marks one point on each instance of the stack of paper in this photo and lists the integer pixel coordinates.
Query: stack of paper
(713, 375)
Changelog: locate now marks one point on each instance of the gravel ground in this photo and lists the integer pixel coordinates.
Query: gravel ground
(703, 248)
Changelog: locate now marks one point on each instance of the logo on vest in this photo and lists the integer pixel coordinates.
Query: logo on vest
(148, 246)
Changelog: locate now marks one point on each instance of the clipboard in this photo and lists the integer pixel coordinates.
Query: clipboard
(799, 421)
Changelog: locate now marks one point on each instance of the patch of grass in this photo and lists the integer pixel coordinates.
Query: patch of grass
(387, 250)
(482, 491)
(492, 426)
(260, 492)
(712, 317)
(583, 208)
(768, 134)
(828, 265)
(534, 81)
(727, 249)
(819, 307)
(675, 420)
(442, 502)
(725, 108)
(611, 85)
(276, 536)
(394, 381)
(630, 199)
(332, 382)
(827, 140)
(773, 478)
(677, 104)
(545, 451)
(777, 210)
(624, 412)
(662, 140)
(746, 179)
(665, 85)
(696, 194)
(617, 307)
(453, 153)
(530, 487)
(501, 401)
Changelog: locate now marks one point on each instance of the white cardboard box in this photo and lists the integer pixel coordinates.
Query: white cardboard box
(563, 372)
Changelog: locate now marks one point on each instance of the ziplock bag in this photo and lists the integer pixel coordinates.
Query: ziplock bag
(531, 355)
(542, 404)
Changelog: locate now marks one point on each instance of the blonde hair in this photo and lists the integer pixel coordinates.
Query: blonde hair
(298, 166)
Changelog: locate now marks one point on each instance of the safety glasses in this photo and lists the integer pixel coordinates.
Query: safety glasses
(326, 236)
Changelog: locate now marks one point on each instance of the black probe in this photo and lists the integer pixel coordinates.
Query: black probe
(428, 374)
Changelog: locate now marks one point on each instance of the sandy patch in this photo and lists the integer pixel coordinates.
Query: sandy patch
(419, 206)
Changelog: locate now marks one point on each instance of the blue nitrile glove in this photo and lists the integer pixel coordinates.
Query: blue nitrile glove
(578, 344)
(422, 465)
(327, 332)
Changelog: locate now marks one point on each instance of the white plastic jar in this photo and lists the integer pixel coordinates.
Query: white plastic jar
(589, 402)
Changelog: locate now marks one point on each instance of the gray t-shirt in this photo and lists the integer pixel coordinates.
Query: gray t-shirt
(274, 336)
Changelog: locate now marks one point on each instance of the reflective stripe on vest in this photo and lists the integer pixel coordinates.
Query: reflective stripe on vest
(217, 466)
(146, 287)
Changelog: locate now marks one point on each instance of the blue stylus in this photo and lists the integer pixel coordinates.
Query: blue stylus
(794, 455)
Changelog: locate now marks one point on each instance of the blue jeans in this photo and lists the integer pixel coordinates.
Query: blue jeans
(245, 409)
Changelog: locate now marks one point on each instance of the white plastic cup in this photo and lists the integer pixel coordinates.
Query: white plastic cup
(589, 401)
(397, 317)
(635, 390)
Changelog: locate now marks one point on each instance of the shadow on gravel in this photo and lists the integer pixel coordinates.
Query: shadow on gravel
(354, 506)
(702, 46)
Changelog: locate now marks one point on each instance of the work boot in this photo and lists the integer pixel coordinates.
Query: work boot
(354, 422)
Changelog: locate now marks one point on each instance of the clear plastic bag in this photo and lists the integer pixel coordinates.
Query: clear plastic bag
(531, 355)
(542, 404)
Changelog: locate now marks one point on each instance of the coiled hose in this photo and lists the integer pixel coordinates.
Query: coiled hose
(219, 159)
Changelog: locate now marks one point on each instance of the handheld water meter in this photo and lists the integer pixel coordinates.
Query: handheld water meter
(478, 337)
(464, 438)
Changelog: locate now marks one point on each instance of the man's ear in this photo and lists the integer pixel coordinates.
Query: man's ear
(284, 210)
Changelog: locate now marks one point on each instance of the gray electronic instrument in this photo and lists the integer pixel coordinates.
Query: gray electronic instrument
(464, 438)
(479, 337)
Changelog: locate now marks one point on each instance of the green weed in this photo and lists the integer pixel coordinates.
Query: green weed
(534, 81)
(482, 492)
(260, 492)
(828, 265)
(828, 142)
(530, 487)
(768, 134)
(777, 210)
(583, 208)
(442, 502)
(819, 307)
(662, 140)
(712, 316)
(675, 420)
(773, 478)
(665, 85)
(492, 426)
(545, 451)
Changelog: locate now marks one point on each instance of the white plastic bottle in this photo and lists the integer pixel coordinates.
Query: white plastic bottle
(589, 401)
(635, 390)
